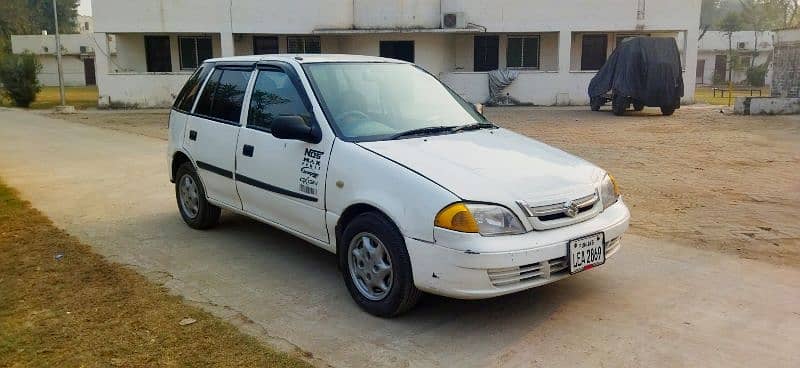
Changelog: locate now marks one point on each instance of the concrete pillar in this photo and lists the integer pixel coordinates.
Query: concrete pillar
(690, 55)
(226, 44)
(564, 51)
(102, 66)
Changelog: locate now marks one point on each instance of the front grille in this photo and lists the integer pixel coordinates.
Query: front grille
(554, 215)
(527, 273)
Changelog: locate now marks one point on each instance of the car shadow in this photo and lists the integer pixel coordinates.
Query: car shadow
(291, 284)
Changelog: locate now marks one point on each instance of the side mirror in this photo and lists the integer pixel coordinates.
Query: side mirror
(478, 108)
(294, 127)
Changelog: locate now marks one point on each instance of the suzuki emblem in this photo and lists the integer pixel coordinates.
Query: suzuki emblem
(571, 209)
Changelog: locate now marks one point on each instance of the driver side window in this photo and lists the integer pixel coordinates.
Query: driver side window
(274, 95)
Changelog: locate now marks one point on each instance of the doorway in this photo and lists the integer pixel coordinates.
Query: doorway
(88, 72)
(400, 50)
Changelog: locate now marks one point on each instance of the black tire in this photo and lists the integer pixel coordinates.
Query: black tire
(667, 110)
(595, 104)
(402, 294)
(619, 105)
(638, 106)
(207, 214)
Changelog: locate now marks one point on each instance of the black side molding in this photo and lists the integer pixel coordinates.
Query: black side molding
(215, 170)
(272, 188)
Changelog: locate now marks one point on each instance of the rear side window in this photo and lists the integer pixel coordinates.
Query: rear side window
(188, 94)
(274, 95)
(223, 95)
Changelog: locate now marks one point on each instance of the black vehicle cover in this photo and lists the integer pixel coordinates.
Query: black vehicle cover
(647, 69)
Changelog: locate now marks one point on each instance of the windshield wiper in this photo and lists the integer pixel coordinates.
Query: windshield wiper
(426, 130)
(475, 126)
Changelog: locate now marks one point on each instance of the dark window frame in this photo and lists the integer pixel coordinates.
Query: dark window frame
(149, 54)
(597, 36)
(384, 46)
(485, 41)
(271, 38)
(522, 39)
(305, 44)
(223, 68)
(197, 61)
(299, 89)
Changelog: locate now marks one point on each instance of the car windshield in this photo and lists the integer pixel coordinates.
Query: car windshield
(380, 101)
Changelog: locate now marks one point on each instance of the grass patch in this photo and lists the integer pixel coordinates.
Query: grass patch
(80, 310)
(49, 97)
(706, 95)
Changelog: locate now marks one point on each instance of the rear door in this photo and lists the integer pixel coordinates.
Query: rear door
(212, 131)
(280, 180)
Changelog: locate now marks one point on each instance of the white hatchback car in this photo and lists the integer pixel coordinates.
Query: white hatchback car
(377, 161)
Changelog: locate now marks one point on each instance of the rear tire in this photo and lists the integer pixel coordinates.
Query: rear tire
(191, 196)
(376, 267)
(667, 110)
(638, 106)
(619, 105)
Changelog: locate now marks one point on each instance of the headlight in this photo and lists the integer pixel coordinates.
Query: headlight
(609, 192)
(485, 219)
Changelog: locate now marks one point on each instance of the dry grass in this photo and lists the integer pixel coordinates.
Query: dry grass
(49, 97)
(83, 311)
(706, 95)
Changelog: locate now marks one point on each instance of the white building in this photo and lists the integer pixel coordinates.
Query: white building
(556, 45)
(77, 51)
(786, 64)
(712, 55)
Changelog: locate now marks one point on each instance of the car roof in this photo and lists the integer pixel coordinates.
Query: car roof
(307, 58)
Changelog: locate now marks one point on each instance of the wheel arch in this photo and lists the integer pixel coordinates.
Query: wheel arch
(351, 212)
(178, 159)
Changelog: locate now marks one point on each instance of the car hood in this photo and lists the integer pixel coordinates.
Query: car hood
(494, 165)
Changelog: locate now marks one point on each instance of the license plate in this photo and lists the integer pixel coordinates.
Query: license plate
(586, 253)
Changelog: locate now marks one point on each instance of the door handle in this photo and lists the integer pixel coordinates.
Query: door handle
(193, 135)
(247, 150)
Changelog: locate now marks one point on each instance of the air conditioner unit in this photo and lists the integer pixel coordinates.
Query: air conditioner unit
(742, 45)
(454, 20)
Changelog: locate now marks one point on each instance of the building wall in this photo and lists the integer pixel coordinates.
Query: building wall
(446, 55)
(786, 73)
(72, 66)
(131, 57)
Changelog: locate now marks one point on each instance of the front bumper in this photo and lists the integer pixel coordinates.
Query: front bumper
(470, 266)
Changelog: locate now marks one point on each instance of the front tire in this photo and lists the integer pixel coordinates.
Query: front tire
(191, 196)
(376, 266)
(595, 103)
(667, 110)
(638, 106)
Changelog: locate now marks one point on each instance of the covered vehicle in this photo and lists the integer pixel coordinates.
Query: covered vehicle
(642, 71)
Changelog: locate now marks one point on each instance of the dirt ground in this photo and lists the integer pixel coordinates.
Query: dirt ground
(703, 178)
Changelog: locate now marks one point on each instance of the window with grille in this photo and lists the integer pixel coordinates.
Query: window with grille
(194, 50)
(523, 52)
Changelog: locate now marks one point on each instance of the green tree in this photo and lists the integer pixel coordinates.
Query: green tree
(18, 77)
(730, 24)
(33, 16)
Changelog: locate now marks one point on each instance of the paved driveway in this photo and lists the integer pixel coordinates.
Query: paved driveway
(655, 304)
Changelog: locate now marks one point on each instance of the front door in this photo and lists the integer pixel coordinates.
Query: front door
(280, 180)
(720, 67)
(701, 71)
(400, 50)
(88, 71)
(212, 131)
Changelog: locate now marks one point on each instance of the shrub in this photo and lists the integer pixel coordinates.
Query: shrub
(756, 75)
(18, 77)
